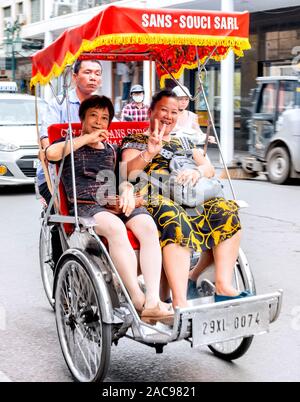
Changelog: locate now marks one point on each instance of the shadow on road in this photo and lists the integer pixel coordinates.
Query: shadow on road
(293, 182)
(17, 190)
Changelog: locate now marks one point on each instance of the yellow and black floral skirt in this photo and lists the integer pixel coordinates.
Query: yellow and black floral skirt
(199, 228)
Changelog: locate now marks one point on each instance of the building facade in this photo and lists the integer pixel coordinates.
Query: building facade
(274, 36)
(40, 22)
(275, 41)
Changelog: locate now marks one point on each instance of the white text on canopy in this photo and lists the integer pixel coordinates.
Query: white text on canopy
(190, 21)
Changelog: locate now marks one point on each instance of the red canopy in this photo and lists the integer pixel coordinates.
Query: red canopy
(169, 37)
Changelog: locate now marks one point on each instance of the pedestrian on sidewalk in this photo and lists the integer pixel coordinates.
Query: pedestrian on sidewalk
(136, 110)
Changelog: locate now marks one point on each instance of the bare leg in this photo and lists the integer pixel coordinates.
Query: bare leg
(164, 287)
(176, 262)
(145, 231)
(121, 253)
(225, 255)
(205, 260)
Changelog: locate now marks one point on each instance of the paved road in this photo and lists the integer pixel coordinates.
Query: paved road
(29, 348)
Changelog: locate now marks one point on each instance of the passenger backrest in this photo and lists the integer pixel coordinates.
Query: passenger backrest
(118, 130)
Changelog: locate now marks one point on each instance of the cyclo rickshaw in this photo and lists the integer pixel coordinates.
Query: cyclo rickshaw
(92, 307)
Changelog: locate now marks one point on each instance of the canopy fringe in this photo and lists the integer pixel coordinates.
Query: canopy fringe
(237, 44)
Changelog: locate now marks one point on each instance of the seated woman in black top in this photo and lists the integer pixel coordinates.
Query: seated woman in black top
(94, 161)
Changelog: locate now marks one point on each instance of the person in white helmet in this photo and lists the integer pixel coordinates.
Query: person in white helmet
(187, 123)
(136, 110)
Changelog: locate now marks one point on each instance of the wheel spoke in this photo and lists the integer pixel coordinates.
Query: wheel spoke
(78, 346)
(65, 298)
(89, 358)
(79, 321)
(79, 288)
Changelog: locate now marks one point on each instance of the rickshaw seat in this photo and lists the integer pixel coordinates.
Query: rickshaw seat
(118, 130)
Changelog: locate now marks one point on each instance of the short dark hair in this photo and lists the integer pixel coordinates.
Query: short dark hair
(77, 65)
(164, 93)
(97, 102)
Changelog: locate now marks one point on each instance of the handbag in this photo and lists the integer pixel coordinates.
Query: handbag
(184, 194)
(188, 194)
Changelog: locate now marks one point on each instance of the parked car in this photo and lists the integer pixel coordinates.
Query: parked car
(18, 138)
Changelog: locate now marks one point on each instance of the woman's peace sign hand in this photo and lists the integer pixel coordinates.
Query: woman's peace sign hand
(155, 139)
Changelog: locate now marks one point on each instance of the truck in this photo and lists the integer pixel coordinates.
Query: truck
(274, 129)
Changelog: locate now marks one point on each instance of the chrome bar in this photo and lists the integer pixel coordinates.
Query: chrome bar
(236, 278)
(67, 84)
(192, 98)
(234, 302)
(56, 186)
(59, 101)
(201, 89)
(120, 55)
(249, 278)
(214, 128)
(277, 313)
(61, 219)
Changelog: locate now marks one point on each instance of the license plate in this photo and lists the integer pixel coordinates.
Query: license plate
(222, 324)
(35, 163)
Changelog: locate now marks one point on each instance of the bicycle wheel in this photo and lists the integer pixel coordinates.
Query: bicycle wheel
(46, 262)
(234, 349)
(84, 338)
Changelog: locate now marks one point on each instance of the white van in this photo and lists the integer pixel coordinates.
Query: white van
(18, 138)
(275, 129)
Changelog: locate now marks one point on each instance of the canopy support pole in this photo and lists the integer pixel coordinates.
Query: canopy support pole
(147, 81)
(152, 79)
(41, 154)
(212, 125)
(201, 67)
(49, 37)
(227, 98)
(67, 84)
(67, 77)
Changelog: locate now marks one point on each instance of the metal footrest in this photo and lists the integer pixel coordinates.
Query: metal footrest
(209, 323)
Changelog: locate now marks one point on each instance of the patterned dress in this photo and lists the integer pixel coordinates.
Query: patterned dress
(200, 228)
